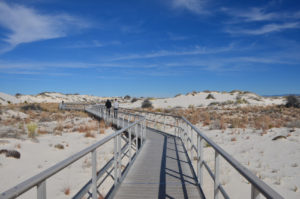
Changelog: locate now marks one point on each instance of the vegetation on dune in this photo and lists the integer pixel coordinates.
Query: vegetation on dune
(293, 101)
(147, 104)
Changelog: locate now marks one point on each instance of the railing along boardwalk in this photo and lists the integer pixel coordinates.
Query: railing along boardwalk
(161, 165)
(124, 155)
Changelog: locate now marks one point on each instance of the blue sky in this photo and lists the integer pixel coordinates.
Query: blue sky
(149, 47)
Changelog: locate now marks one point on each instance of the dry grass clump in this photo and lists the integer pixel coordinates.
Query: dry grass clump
(102, 126)
(42, 132)
(89, 134)
(86, 128)
(50, 107)
(31, 129)
(67, 191)
(262, 118)
(59, 146)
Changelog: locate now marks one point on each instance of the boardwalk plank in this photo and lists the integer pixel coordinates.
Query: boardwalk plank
(162, 170)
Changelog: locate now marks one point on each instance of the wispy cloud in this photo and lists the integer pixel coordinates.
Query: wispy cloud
(83, 44)
(266, 29)
(176, 37)
(259, 14)
(164, 53)
(195, 6)
(260, 20)
(252, 14)
(28, 25)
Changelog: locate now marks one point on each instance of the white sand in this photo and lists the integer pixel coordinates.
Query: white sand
(276, 162)
(38, 156)
(6, 99)
(199, 99)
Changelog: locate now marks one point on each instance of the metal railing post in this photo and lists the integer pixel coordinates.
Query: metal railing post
(216, 180)
(145, 128)
(117, 121)
(41, 190)
(123, 120)
(115, 160)
(119, 158)
(164, 123)
(141, 132)
(191, 146)
(94, 173)
(130, 144)
(136, 137)
(200, 159)
(254, 192)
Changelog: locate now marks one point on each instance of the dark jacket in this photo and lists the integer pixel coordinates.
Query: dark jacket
(108, 104)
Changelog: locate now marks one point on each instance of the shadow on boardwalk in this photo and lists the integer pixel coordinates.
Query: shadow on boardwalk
(161, 170)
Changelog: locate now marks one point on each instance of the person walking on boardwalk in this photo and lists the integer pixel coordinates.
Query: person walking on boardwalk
(116, 107)
(108, 106)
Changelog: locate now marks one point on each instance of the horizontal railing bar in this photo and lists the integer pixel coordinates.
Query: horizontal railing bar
(155, 113)
(33, 181)
(253, 179)
(167, 124)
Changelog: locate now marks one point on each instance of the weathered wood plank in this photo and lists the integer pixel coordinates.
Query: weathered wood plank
(162, 170)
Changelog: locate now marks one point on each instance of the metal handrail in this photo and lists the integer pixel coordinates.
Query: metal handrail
(257, 185)
(39, 180)
(155, 113)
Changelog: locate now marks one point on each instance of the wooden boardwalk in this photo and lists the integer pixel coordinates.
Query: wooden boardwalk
(161, 170)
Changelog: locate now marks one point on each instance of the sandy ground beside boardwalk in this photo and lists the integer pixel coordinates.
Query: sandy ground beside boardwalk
(37, 156)
(276, 162)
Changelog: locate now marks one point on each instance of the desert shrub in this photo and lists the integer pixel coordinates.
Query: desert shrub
(67, 191)
(127, 97)
(59, 146)
(210, 96)
(42, 132)
(263, 122)
(31, 129)
(9, 102)
(292, 101)
(147, 104)
(205, 118)
(134, 100)
(89, 134)
(214, 104)
(11, 153)
(228, 102)
(50, 107)
(34, 107)
(240, 100)
(215, 125)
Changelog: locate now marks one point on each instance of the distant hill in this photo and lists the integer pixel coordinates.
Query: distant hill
(280, 95)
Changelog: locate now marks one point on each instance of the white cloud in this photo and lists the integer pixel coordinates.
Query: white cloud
(266, 29)
(196, 6)
(164, 53)
(83, 44)
(253, 14)
(27, 25)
